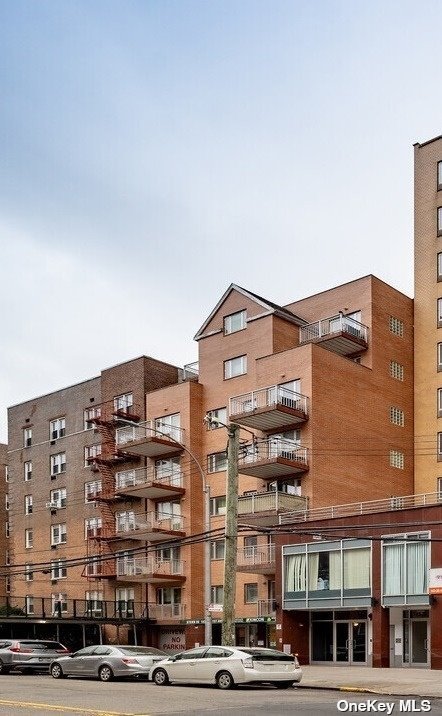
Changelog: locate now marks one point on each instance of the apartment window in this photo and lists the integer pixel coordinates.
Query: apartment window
(7, 529)
(217, 549)
(218, 506)
(169, 595)
(58, 569)
(397, 459)
(396, 370)
(219, 414)
(58, 463)
(169, 426)
(27, 470)
(29, 604)
(7, 558)
(57, 428)
(439, 447)
(7, 502)
(27, 437)
(125, 521)
(235, 322)
(124, 402)
(91, 414)
(7, 585)
(439, 312)
(6, 473)
(94, 601)
(29, 573)
(169, 470)
(405, 567)
(58, 498)
(29, 538)
(217, 594)
(91, 452)
(28, 504)
(439, 221)
(235, 366)
(92, 490)
(92, 527)
(94, 567)
(217, 461)
(396, 326)
(58, 534)
(250, 545)
(59, 604)
(251, 593)
(439, 488)
(397, 416)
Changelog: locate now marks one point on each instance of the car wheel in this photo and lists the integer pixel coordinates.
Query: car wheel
(105, 673)
(283, 684)
(57, 671)
(224, 680)
(4, 669)
(160, 677)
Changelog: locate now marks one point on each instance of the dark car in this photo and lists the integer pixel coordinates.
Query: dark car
(28, 654)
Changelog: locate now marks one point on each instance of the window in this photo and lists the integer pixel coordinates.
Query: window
(7, 502)
(251, 593)
(125, 521)
(29, 604)
(7, 529)
(218, 506)
(7, 585)
(217, 461)
(396, 326)
(27, 470)
(124, 402)
(439, 312)
(439, 267)
(217, 594)
(90, 415)
(439, 488)
(7, 558)
(57, 428)
(58, 498)
(439, 175)
(214, 415)
(92, 527)
(217, 549)
(397, 416)
(397, 459)
(405, 567)
(396, 370)
(169, 470)
(27, 437)
(94, 567)
(439, 221)
(59, 604)
(58, 534)
(58, 463)
(58, 569)
(6, 473)
(92, 490)
(439, 447)
(29, 573)
(235, 366)
(250, 545)
(91, 452)
(29, 538)
(94, 602)
(28, 504)
(169, 595)
(169, 425)
(235, 322)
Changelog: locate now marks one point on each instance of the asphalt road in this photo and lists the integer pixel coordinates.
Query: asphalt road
(23, 695)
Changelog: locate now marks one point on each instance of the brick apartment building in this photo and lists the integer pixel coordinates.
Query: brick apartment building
(105, 487)
(4, 524)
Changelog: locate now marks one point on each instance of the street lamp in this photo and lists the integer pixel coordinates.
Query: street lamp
(207, 561)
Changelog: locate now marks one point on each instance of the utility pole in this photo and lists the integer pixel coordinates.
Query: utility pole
(231, 537)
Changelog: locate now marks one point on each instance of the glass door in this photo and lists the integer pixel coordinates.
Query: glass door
(351, 642)
(358, 642)
(342, 642)
(419, 643)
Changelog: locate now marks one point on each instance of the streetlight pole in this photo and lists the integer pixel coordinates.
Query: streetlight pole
(231, 538)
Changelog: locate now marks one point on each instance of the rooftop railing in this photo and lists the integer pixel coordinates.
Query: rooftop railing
(333, 325)
(268, 398)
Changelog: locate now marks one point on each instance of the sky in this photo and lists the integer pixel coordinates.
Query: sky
(155, 151)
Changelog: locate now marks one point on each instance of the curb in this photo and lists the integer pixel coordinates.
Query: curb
(356, 689)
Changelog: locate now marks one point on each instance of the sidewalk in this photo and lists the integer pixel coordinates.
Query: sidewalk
(412, 682)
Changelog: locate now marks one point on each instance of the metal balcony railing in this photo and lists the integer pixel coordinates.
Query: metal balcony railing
(148, 430)
(149, 521)
(141, 566)
(266, 608)
(146, 476)
(333, 325)
(256, 555)
(271, 448)
(270, 502)
(191, 370)
(268, 398)
(167, 611)
(81, 609)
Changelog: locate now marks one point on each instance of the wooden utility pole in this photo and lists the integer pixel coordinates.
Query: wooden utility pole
(231, 537)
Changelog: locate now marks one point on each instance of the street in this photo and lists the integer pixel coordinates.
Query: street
(22, 695)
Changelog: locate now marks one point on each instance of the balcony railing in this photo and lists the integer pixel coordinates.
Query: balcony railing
(340, 333)
(363, 508)
(256, 556)
(149, 526)
(191, 371)
(167, 611)
(81, 609)
(268, 408)
(148, 483)
(151, 439)
(266, 608)
(149, 567)
(270, 502)
(272, 457)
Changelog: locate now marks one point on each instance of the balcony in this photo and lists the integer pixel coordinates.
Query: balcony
(83, 610)
(266, 608)
(149, 570)
(340, 334)
(269, 408)
(111, 412)
(167, 612)
(264, 508)
(272, 458)
(151, 526)
(256, 559)
(150, 439)
(147, 483)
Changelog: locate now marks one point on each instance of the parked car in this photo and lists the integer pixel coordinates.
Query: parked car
(106, 662)
(227, 666)
(28, 654)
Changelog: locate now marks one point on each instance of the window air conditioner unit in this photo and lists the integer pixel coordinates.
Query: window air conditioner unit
(51, 505)
(54, 581)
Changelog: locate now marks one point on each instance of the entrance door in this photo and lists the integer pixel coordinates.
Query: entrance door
(419, 643)
(350, 641)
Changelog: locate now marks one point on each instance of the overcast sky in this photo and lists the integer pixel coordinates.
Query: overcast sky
(154, 151)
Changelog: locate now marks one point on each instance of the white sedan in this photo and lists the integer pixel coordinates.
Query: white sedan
(226, 666)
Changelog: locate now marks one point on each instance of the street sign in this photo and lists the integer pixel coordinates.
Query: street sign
(215, 607)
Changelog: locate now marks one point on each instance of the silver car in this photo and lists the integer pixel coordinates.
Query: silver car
(28, 654)
(106, 662)
(226, 666)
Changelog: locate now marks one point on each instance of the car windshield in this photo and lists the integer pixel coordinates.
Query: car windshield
(42, 645)
(141, 650)
(268, 655)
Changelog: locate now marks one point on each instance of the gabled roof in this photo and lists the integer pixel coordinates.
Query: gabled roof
(269, 307)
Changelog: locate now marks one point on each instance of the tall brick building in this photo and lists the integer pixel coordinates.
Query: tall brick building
(4, 523)
(105, 486)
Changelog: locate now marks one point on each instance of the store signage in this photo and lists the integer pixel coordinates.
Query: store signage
(435, 584)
